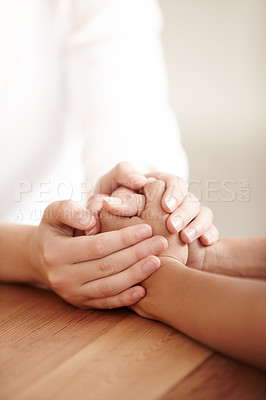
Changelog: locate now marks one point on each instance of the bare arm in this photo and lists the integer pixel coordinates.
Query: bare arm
(244, 257)
(223, 312)
(17, 254)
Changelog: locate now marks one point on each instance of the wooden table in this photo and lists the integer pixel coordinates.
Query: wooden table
(51, 350)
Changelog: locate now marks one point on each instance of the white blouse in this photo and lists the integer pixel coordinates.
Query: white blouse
(82, 87)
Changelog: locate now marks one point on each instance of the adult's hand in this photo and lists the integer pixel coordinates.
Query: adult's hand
(97, 271)
(123, 174)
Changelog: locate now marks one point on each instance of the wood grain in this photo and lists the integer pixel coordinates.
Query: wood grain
(38, 331)
(221, 378)
(51, 350)
(137, 358)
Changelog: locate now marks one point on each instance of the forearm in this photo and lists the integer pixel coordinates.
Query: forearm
(227, 314)
(244, 257)
(17, 253)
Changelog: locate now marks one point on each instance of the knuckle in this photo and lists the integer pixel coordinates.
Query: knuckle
(64, 204)
(139, 252)
(208, 211)
(121, 166)
(122, 300)
(64, 207)
(125, 237)
(98, 248)
(106, 268)
(50, 255)
(109, 304)
(50, 210)
(106, 289)
(56, 280)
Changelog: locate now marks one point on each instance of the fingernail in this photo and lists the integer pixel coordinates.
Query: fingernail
(171, 203)
(137, 295)
(151, 264)
(91, 231)
(178, 223)
(144, 232)
(208, 236)
(158, 245)
(191, 233)
(113, 201)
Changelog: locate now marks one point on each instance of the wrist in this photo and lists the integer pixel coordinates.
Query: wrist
(34, 258)
(159, 288)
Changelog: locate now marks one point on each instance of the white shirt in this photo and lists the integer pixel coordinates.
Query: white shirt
(82, 87)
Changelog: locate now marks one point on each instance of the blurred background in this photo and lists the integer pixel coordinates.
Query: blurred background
(216, 61)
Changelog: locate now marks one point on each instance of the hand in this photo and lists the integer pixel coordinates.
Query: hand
(124, 174)
(92, 271)
(187, 216)
(148, 207)
(150, 212)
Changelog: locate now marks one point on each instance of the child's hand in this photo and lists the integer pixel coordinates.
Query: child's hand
(148, 210)
(185, 214)
(151, 213)
(93, 271)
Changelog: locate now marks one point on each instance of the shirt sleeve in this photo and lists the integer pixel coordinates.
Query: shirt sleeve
(117, 87)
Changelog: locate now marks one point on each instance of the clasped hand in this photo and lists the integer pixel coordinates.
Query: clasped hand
(103, 269)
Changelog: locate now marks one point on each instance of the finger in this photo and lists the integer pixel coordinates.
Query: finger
(95, 205)
(69, 213)
(198, 226)
(116, 262)
(115, 284)
(124, 174)
(153, 211)
(130, 204)
(210, 237)
(176, 190)
(126, 298)
(153, 192)
(185, 213)
(85, 248)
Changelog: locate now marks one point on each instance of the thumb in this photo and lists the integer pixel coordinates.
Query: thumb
(124, 174)
(126, 203)
(153, 191)
(69, 213)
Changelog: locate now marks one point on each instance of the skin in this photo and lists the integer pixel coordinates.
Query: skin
(216, 294)
(96, 270)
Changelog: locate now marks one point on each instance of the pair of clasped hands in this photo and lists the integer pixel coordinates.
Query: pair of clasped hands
(97, 257)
